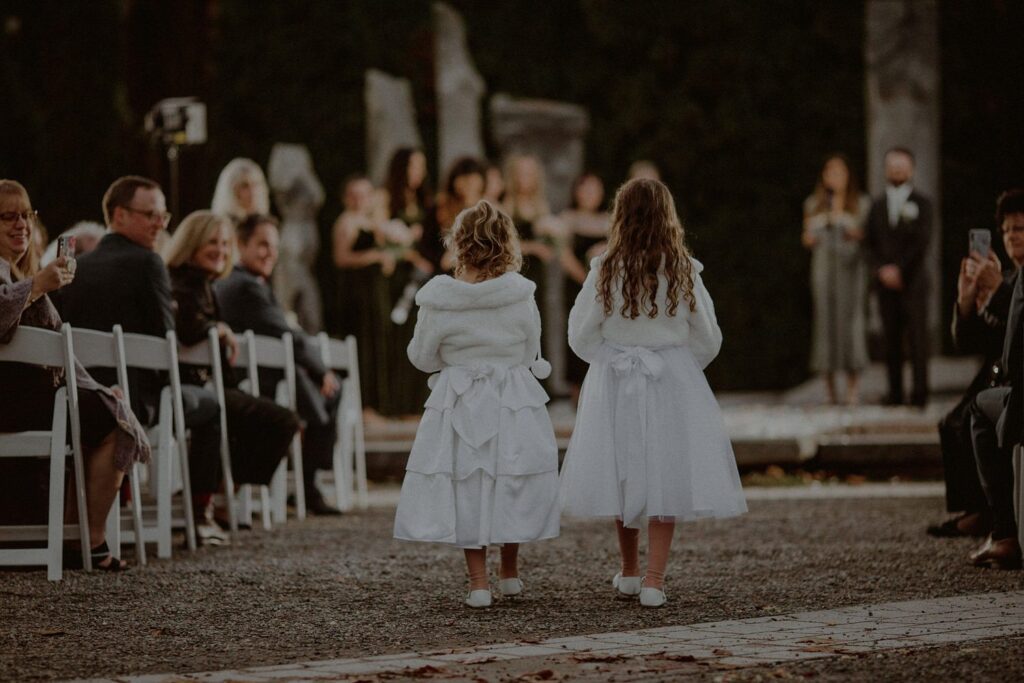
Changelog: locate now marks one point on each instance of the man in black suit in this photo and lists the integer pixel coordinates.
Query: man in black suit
(123, 281)
(996, 419)
(899, 227)
(247, 302)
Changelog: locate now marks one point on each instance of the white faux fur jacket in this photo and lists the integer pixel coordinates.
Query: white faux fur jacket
(698, 329)
(461, 324)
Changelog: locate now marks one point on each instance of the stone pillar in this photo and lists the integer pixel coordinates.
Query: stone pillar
(390, 121)
(459, 88)
(903, 77)
(554, 133)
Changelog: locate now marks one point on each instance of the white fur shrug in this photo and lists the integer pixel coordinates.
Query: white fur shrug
(493, 322)
(698, 329)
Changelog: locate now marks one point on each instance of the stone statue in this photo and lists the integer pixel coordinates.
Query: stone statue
(298, 195)
(390, 121)
(459, 88)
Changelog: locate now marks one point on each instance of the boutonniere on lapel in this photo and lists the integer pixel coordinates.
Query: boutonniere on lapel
(910, 211)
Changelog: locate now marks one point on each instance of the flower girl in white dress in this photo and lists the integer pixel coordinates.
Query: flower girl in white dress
(484, 467)
(649, 440)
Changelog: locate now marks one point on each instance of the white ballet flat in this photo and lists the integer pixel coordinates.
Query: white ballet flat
(627, 585)
(652, 597)
(479, 598)
(513, 586)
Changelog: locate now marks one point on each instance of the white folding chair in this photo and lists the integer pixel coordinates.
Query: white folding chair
(95, 349)
(51, 349)
(207, 354)
(351, 444)
(168, 438)
(279, 354)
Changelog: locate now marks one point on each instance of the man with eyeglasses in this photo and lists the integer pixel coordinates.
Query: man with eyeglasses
(125, 282)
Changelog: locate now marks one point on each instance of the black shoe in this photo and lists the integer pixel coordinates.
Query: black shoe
(892, 401)
(315, 504)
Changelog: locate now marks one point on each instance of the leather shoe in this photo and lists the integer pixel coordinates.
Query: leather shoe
(315, 504)
(1002, 554)
(968, 524)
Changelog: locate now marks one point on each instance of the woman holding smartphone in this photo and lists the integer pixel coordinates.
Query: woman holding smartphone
(834, 218)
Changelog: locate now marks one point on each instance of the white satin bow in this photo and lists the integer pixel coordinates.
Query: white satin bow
(635, 366)
(477, 409)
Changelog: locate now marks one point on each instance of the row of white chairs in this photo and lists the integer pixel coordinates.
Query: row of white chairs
(168, 471)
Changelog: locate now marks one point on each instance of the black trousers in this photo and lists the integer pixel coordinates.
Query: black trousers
(905, 313)
(960, 470)
(995, 464)
(259, 432)
(318, 442)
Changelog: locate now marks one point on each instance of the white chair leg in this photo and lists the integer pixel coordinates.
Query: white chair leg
(163, 474)
(360, 454)
(186, 498)
(300, 478)
(279, 493)
(140, 535)
(55, 528)
(265, 508)
(1018, 491)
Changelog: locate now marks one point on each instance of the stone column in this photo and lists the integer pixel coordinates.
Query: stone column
(554, 133)
(459, 89)
(903, 77)
(390, 121)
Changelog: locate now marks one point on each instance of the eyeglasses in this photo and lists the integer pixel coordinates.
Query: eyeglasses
(13, 216)
(163, 216)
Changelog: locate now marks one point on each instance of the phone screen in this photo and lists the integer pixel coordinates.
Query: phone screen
(980, 241)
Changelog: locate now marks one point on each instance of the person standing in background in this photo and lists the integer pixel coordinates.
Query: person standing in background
(834, 217)
(899, 227)
(586, 227)
(241, 190)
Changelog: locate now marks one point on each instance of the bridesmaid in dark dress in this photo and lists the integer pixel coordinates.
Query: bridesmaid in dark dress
(361, 287)
(539, 231)
(464, 187)
(408, 201)
(586, 228)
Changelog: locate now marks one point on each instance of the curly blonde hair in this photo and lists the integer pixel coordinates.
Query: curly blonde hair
(646, 238)
(484, 238)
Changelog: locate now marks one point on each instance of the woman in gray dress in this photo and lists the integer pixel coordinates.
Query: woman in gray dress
(834, 217)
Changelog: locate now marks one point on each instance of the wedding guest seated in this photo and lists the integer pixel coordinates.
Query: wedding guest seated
(996, 416)
(247, 302)
(124, 282)
(259, 430)
(112, 439)
(984, 290)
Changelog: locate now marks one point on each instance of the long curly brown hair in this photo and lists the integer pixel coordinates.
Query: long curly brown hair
(646, 238)
(484, 238)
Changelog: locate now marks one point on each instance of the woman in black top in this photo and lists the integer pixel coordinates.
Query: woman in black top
(259, 430)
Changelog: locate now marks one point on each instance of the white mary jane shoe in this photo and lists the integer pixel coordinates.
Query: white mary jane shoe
(652, 597)
(626, 585)
(509, 587)
(479, 598)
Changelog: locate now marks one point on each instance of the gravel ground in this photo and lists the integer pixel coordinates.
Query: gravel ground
(327, 589)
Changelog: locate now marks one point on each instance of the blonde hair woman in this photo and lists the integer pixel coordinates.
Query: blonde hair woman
(241, 190)
(259, 430)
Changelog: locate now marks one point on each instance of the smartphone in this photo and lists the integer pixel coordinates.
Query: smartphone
(979, 241)
(66, 246)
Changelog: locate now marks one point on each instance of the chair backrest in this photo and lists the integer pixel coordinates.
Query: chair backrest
(94, 349)
(335, 353)
(38, 346)
(278, 354)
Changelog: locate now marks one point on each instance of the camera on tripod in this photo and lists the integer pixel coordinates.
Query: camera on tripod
(178, 121)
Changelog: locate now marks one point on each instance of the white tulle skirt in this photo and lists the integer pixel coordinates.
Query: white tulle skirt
(649, 441)
(484, 466)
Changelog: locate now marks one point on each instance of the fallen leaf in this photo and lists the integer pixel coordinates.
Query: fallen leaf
(595, 657)
(721, 652)
(50, 632)
(680, 658)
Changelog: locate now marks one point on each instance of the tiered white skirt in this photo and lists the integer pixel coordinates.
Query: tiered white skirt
(484, 466)
(649, 441)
